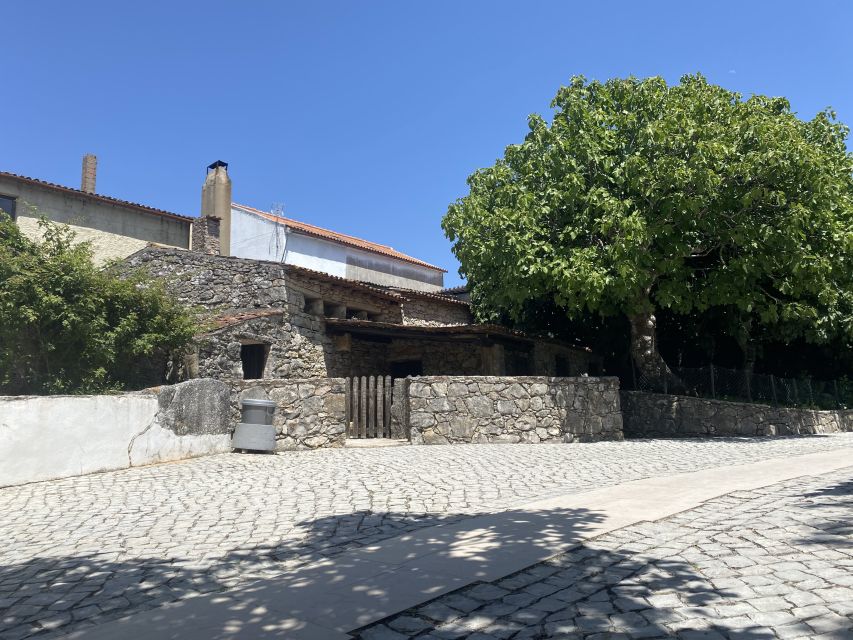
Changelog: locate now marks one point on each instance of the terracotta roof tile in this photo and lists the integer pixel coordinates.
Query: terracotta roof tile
(438, 296)
(462, 288)
(346, 282)
(96, 196)
(334, 236)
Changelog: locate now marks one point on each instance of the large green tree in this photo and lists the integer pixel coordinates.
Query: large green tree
(69, 327)
(640, 196)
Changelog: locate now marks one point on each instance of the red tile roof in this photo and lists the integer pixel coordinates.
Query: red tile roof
(97, 197)
(334, 236)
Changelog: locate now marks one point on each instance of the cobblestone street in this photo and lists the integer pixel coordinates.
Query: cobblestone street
(84, 550)
(770, 563)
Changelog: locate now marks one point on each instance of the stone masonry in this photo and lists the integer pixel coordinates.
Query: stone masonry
(654, 414)
(310, 413)
(433, 311)
(446, 410)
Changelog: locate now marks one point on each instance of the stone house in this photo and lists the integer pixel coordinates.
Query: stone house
(116, 228)
(272, 320)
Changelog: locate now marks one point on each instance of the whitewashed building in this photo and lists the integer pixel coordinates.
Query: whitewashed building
(247, 232)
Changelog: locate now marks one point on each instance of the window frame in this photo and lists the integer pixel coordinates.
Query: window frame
(14, 199)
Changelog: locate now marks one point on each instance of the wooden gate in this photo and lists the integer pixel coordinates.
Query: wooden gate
(369, 407)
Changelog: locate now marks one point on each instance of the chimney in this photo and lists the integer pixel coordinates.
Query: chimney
(216, 202)
(90, 168)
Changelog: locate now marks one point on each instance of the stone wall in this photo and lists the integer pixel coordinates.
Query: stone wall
(298, 346)
(434, 312)
(446, 409)
(310, 413)
(205, 235)
(49, 437)
(229, 283)
(659, 415)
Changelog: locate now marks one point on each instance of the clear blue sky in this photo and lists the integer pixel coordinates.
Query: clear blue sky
(364, 117)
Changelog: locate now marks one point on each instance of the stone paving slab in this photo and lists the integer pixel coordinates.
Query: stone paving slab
(774, 562)
(80, 551)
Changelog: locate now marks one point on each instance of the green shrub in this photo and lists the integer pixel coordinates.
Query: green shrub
(68, 327)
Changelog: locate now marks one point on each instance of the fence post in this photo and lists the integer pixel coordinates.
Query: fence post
(811, 396)
(796, 392)
(362, 430)
(837, 397)
(665, 378)
(348, 403)
(380, 406)
(748, 379)
(713, 386)
(773, 389)
(355, 395)
(633, 370)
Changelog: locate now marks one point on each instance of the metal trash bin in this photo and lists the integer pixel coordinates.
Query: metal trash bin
(257, 411)
(255, 432)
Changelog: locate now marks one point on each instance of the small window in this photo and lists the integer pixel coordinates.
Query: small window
(7, 204)
(254, 359)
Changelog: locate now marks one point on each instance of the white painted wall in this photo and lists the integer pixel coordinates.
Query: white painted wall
(49, 437)
(255, 237)
(258, 238)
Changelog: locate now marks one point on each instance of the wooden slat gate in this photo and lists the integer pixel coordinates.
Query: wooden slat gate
(369, 407)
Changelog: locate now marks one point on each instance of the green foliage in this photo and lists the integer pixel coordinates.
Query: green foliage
(68, 327)
(641, 196)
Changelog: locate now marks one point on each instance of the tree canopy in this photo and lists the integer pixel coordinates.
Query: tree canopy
(640, 196)
(68, 327)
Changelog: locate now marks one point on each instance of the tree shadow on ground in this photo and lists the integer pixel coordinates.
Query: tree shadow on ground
(48, 595)
(335, 578)
(833, 508)
(253, 593)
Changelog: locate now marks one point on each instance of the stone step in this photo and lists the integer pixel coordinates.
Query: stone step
(368, 443)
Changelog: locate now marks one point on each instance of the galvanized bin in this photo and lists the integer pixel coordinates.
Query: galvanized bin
(255, 432)
(257, 411)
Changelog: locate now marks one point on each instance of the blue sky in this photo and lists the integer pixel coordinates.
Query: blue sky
(364, 117)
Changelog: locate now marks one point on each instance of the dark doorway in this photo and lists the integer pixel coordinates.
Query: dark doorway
(407, 368)
(254, 358)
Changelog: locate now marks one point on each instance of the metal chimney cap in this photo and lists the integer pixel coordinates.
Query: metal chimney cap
(218, 163)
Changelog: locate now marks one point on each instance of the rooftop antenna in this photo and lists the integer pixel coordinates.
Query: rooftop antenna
(277, 242)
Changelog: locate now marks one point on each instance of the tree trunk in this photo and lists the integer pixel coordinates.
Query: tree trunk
(644, 350)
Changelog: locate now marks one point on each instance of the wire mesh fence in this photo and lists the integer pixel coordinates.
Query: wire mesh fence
(744, 386)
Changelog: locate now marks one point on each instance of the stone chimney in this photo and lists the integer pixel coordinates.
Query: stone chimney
(205, 238)
(216, 202)
(90, 168)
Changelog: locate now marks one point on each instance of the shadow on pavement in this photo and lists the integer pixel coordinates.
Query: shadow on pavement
(48, 596)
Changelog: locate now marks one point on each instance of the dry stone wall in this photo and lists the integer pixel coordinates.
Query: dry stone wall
(446, 409)
(310, 413)
(656, 415)
(229, 283)
(432, 312)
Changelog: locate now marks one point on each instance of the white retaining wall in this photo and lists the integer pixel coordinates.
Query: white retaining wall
(49, 437)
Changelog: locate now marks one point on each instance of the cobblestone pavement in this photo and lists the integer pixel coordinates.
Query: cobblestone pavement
(84, 550)
(776, 562)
